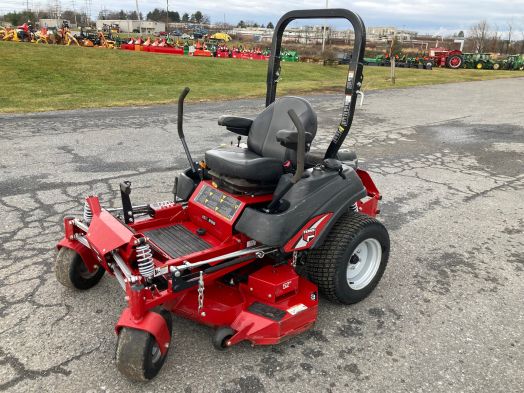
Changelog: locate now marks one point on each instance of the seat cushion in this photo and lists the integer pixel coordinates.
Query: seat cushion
(244, 164)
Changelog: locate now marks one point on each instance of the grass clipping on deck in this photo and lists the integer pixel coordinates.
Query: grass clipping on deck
(48, 77)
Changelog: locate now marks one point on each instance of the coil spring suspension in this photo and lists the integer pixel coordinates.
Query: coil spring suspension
(88, 214)
(354, 207)
(144, 258)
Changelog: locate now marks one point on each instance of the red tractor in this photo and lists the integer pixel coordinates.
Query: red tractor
(443, 57)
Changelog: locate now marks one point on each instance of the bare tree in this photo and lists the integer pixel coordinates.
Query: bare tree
(497, 44)
(479, 33)
(510, 31)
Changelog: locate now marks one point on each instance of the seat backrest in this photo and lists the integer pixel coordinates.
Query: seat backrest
(262, 138)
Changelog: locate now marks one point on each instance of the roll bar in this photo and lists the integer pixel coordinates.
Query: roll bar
(354, 79)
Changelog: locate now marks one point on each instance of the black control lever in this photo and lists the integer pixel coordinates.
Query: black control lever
(286, 182)
(180, 120)
(127, 207)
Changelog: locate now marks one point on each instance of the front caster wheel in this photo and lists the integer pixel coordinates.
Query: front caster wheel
(71, 271)
(221, 337)
(352, 259)
(138, 355)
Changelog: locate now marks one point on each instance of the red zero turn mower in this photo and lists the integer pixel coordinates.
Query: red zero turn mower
(253, 234)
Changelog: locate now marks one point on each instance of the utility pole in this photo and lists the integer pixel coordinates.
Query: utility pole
(167, 15)
(138, 16)
(324, 31)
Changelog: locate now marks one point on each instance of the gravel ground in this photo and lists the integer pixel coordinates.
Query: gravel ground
(447, 315)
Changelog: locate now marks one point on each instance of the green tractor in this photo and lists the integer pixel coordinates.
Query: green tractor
(514, 62)
(289, 55)
(480, 61)
(378, 60)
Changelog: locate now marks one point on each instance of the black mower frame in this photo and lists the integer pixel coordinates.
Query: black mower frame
(355, 76)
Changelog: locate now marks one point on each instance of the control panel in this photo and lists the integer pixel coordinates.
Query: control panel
(219, 202)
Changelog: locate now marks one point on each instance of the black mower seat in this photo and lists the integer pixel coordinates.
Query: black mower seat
(264, 157)
(244, 164)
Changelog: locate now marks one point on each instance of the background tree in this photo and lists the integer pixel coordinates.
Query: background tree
(479, 33)
(509, 26)
(185, 17)
(270, 25)
(198, 16)
(241, 24)
(396, 47)
(19, 18)
(174, 16)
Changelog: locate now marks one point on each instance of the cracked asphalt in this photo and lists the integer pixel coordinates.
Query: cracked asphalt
(447, 316)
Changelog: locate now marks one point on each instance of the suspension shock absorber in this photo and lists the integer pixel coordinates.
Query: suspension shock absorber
(144, 259)
(88, 214)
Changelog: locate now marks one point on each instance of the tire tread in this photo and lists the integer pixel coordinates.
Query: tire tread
(322, 263)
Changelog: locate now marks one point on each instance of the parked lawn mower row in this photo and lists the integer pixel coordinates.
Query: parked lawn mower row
(62, 36)
(210, 48)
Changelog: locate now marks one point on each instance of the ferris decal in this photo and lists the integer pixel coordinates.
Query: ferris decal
(309, 234)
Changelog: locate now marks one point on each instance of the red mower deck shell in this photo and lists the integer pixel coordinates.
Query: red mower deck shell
(225, 305)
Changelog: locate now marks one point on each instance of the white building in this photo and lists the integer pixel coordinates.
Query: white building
(130, 26)
(55, 23)
(387, 34)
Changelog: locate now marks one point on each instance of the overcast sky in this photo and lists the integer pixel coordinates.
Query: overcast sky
(420, 15)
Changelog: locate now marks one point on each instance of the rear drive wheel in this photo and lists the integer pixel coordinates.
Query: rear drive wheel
(454, 61)
(72, 272)
(138, 355)
(352, 259)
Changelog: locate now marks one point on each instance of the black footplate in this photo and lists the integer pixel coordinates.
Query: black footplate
(265, 310)
(177, 240)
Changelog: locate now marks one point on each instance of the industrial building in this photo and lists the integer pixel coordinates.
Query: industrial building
(131, 26)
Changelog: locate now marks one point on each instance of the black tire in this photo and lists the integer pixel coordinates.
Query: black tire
(137, 354)
(221, 337)
(71, 271)
(327, 265)
(455, 61)
(429, 66)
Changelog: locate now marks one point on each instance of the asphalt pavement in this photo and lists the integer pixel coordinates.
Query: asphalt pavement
(447, 316)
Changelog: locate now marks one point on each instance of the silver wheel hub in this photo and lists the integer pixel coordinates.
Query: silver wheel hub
(363, 264)
(155, 353)
(85, 273)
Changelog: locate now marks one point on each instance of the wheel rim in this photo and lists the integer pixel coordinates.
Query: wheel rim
(455, 61)
(363, 264)
(85, 273)
(155, 353)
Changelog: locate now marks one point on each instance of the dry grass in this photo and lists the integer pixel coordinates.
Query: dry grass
(42, 78)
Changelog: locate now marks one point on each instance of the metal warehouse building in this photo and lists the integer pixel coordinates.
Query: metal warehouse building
(128, 26)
